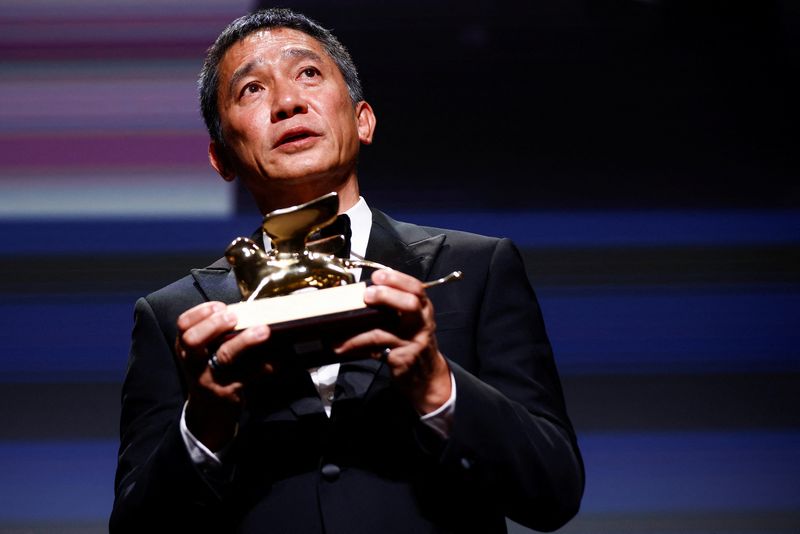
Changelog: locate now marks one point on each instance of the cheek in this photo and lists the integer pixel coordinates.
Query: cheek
(250, 141)
(348, 132)
(247, 124)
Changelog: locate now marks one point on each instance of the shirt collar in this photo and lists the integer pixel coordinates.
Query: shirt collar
(360, 226)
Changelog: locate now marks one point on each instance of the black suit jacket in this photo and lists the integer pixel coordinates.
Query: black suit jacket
(371, 467)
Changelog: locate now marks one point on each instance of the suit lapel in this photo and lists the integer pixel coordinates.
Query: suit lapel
(405, 247)
(217, 282)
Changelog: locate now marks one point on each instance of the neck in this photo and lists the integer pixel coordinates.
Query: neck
(283, 195)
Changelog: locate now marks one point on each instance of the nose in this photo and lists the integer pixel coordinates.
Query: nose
(288, 101)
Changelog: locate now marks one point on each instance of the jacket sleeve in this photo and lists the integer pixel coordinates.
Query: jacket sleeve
(157, 485)
(511, 434)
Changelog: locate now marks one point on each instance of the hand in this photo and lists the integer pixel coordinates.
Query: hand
(213, 407)
(414, 359)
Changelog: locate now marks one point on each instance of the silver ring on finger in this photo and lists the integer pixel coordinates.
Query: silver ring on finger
(223, 373)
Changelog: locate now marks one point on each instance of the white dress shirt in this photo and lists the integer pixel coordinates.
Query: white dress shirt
(324, 377)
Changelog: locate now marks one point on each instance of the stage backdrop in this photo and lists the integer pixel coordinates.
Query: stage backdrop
(642, 155)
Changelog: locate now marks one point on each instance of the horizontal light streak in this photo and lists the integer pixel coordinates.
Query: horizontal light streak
(708, 473)
(120, 9)
(118, 194)
(532, 229)
(703, 332)
(55, 152)
(38, 106)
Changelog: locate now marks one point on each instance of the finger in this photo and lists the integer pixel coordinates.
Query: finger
(401, 360)
(369, 342)
(401, 300)
(228, 390)
(208, 329)
(405, 361)
(196, 314)
(227, 352)
(398, 280)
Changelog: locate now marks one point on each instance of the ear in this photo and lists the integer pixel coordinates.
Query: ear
(216, 156)
(365, 122)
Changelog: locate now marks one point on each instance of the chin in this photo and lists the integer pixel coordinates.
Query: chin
(304, 174)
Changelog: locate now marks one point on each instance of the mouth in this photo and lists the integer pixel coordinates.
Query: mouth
(294, 137)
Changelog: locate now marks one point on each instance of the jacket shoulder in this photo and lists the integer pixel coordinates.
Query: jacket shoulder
(171, 300)
(411, 232)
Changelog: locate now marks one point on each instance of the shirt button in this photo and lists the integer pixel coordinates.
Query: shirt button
(329, 396)
(330, 472)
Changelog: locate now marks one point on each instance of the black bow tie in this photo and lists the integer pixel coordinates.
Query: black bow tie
(341, 226)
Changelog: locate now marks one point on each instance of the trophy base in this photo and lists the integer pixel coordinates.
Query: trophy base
(305, 327)
(299, 306)
(310, 342)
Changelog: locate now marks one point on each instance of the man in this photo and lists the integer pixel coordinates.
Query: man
(448, 423)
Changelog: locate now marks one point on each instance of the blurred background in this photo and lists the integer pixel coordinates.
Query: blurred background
(643, 155)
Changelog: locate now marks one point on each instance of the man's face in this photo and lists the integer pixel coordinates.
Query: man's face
(286, 113)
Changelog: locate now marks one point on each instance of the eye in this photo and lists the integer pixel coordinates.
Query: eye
(310, 72)
(251, 88)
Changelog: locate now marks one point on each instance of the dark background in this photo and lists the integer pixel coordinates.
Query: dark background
(642, 154)
(578, 103)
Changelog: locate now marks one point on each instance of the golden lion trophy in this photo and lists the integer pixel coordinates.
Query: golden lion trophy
(307, 295)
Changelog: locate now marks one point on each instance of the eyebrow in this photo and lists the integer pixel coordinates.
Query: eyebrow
(247, 68)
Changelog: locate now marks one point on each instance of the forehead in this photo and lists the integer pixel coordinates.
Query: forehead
(269, 46)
